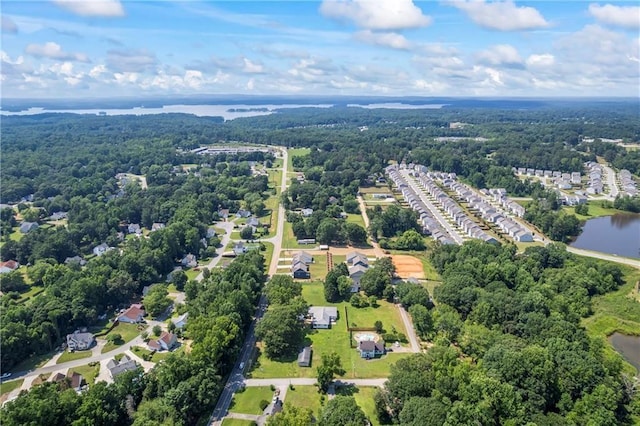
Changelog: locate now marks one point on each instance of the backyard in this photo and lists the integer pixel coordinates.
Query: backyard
(248, 401)
(128, 332)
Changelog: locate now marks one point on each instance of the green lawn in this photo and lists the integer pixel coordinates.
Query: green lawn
(295, 152)
(268, 254)
(364, 398)
(618, 311)
(236, 422)
(356, 218)
(72, 356)
(248, 401)
(33, 291)
(6, 387)
(88, 372)
(304, 397)
(337, 339)
(140, 351)
(289, 241)
(191, 273)
(128, 333)
(318, 268)
(595, 210)
(16, 235)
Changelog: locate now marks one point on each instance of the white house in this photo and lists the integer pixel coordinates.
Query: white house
(323, 316)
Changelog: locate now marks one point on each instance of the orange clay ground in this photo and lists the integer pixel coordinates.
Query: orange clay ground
(407, 266)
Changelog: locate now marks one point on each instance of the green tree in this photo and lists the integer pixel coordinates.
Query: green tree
(330, 366)
(157, 300)
(281, 330)
(410, 240)
(418, 411)
(179, 279)
(292, 416)
(328, 231)
(354, 233)
(374, 281)
(343, 411)
(246, 233)
(422, 320)
(281, 289)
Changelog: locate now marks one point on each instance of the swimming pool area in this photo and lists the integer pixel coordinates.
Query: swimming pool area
(363, 337)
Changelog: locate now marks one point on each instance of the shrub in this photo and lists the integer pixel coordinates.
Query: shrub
(272, 387)
(156, 330)
(263, 404)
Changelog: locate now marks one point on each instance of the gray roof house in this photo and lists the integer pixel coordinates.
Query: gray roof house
(189, 261)
(26, 227)
(78, 341)
(181, 321)
(302, 256)
(118, 367)
(101, 249)
(356, 272)
(75, 259)
(323, 316)
(304, 357)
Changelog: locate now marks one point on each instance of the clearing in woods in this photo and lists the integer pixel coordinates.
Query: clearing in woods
(407, 266)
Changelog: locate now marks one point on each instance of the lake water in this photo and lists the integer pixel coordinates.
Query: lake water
(618, 234)
(628, 347)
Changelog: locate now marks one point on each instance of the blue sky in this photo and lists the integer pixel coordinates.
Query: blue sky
(105, 48)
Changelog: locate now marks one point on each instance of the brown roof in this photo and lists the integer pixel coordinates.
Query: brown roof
(58, 377)
(166, 337)
(11, 264)
(76, 379)
(134, 312)
(153, 344)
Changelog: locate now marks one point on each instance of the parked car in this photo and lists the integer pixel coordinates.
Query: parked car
(5, 376)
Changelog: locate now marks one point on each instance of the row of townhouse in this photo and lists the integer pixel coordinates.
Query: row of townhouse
(429, 224)
(452, 208)
(489, 213)
(627, 184)
(560, 179)
(595, 185)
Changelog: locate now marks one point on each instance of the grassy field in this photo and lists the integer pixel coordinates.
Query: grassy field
(304, 397)
(235, 422)
(318, 268)
(356, 218)
(72, 356)
(268, 254)
(295, 152)
(595, 210)
(6, 387)
(88, 372)
(618, 311)
(289, 241)
(337, 339)
(128, 333)
(191, 273)
(248, 401)
(364, 398)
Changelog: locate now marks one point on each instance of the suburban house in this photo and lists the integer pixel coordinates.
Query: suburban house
(323, 316)
(243, 213)
(181, 321)
(302, 256)
(134, 228)
(356, 258)
(333, 200)
(239, 248)
(26, 227)
(75, 380)
(57, 378)
(304, 357)
(116, 367)
(306, 212)
(253, 221)
(165, 342)
(355, 273)
(223, 213)
(75, 259)
(189, 261)
(79, 341)
(101, 249)
(369, 349)
(300, 270)
(157, 226)
(8, 266)
(133, 315)
(58, 216)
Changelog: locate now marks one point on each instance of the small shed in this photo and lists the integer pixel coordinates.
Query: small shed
(304, 357)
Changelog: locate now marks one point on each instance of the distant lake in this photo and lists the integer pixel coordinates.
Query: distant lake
(628, 347)
(618, 234)
(397, 105)
(228, 112)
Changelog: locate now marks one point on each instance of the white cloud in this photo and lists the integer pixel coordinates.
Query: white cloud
(98, 70)
(500, 55)
(378, 14)
(392, 40)
(250, 84)
(252, 67)
(540, 61)
(501, 15)
(430, 86)
(621, 16)
(53, 50)
(124, 78)
(8, 26)
(103, 8)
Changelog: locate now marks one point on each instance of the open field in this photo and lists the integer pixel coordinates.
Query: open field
(337, 339)
(289, 240)
(248, 401)
(6, 387)
(408, 266)
(72, 356)
(236, 422)
(295, 152)
(88, 372)
(304, 397)
(356, 218)
(128, 333)
(595, 210)
(618, 311)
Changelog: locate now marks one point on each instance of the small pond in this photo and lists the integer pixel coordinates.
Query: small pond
(618, 234)
(628, 347)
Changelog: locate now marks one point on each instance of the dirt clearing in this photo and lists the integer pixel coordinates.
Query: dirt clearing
(407, 266)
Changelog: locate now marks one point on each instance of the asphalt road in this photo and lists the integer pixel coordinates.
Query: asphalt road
(228, 228)
(611, 182)
(236, 378)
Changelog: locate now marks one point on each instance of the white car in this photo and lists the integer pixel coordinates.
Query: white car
(241, 365)
(5, 376)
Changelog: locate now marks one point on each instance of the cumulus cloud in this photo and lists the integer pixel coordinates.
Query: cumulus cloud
(252, 67)
(8, 26)
(132, 61)
(500, 55)
(376, 15)
(53, 50)
(540, 61)
(392, 40)
(621, 16)
(501, 15)
(102, 8)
